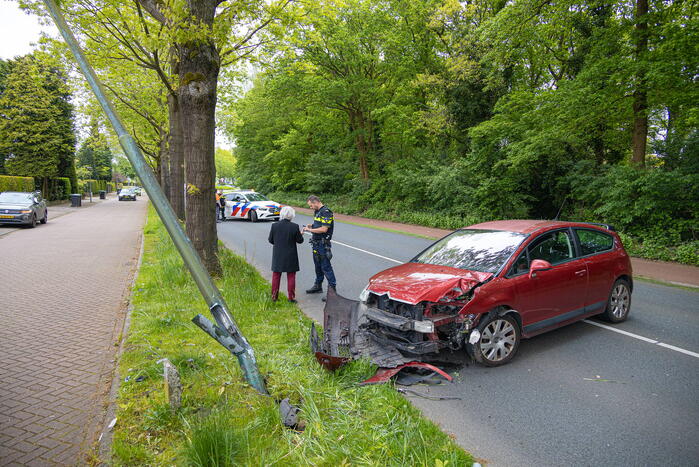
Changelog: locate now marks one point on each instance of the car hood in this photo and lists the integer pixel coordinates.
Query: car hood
(4, 206)
(416, 282)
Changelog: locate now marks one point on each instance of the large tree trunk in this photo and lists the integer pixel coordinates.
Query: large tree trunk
(176, 154)
(198, 72)
(164, 165)
(358, 125)
(640, 99)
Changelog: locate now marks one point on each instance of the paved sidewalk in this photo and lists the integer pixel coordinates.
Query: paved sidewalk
(674, 273)
(63, 287)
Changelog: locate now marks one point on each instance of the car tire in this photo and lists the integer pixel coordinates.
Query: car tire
(499, 341)
(45, 219)
(619, 302)
(252, 216)
(32, 224)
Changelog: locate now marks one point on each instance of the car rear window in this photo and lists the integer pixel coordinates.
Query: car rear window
(594, 241)
(474, 250)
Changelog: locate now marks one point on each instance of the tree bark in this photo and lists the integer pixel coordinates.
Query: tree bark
(198, 72)
(358, 124)
(164, 165)
(640, 98)
(176, 155)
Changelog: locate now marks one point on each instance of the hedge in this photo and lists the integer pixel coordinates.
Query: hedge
(9, 183)
(57, 188)
(97, 185)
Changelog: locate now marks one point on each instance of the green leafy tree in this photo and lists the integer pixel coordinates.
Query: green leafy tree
(36, 120)
(95, 156)
(225, 163)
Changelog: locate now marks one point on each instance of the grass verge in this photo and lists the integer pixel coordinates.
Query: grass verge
(222, 420)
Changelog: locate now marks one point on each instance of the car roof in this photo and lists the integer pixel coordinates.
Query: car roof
(527, 226)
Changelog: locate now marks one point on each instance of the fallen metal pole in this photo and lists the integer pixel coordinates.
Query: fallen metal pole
(207, 287)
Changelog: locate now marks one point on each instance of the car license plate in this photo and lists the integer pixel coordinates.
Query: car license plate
(6, 217)
(276, 213)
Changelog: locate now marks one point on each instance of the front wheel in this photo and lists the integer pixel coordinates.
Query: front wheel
(253, 216)
(32, 224)
(499, 341)
(45, 219)
(619, 303)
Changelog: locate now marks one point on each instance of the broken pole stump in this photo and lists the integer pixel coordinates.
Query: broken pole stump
(173, 385)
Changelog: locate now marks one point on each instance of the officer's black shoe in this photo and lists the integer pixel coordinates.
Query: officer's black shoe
(317, 288)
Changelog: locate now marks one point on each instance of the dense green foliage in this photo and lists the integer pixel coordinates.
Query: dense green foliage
(8, 183)
(446, 113)
(223, 421)
(94, 158)
(225, 163)
(57, 188)
(36, 119)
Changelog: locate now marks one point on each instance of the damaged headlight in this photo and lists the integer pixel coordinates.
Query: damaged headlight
(364, 295)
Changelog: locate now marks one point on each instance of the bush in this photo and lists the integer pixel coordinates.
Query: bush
(58, 188)
(97, 185)
(8, 183)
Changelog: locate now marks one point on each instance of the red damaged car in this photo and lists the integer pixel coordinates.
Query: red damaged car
(486, 286)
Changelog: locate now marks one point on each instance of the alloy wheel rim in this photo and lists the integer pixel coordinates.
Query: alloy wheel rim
(620, 301)
(498, 340)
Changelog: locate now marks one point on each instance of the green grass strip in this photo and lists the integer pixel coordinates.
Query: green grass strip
(223, 421)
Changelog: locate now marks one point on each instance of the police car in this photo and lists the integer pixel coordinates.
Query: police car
(248, 204)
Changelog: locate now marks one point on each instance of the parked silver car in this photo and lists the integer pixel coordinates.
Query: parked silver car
(23, 208)
(127, 193)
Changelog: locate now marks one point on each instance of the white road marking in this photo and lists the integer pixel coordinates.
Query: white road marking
(365, 251)
(642, 338)
(678, 349)
(600, 325)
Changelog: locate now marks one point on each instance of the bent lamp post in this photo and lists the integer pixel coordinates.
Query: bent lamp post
(227, 332)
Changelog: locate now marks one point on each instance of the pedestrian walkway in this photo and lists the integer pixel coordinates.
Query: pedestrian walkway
(64, 287)
(664, 271)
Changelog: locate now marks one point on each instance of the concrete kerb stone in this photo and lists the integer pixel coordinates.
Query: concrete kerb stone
(104, 442)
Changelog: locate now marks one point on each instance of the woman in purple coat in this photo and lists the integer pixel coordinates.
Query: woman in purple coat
(285, 235)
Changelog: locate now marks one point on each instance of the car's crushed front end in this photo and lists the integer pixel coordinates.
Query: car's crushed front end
(397, 321)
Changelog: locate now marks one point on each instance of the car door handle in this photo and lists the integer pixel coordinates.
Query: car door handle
(581, 273)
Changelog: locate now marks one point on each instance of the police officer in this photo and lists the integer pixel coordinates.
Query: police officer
(322, 230)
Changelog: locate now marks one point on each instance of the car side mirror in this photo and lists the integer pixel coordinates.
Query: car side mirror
(537, 266)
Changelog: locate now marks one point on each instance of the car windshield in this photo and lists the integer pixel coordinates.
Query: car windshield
(255, 197)
(475, 250)
(11, 198)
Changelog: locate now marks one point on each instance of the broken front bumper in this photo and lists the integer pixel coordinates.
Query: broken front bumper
(352, 330)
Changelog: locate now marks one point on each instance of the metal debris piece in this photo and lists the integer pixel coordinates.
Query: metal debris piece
(384, 375)
(290, 415)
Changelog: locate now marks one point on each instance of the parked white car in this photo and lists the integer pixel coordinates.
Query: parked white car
(247, 204)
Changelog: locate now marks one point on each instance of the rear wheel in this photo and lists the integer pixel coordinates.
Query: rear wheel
(499, 341)
(253, 216)
(45, 219)
(619, 303)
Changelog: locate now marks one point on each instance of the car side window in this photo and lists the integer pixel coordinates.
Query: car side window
(593, 241)
(554, 247)
(521, 264)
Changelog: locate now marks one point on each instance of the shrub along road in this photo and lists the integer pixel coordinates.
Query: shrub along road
(579, 395)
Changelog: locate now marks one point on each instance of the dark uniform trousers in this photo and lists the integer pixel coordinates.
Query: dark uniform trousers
(323, 217)
(323, 267)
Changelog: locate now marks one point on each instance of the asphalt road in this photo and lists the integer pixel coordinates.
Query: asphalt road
(580, 395)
